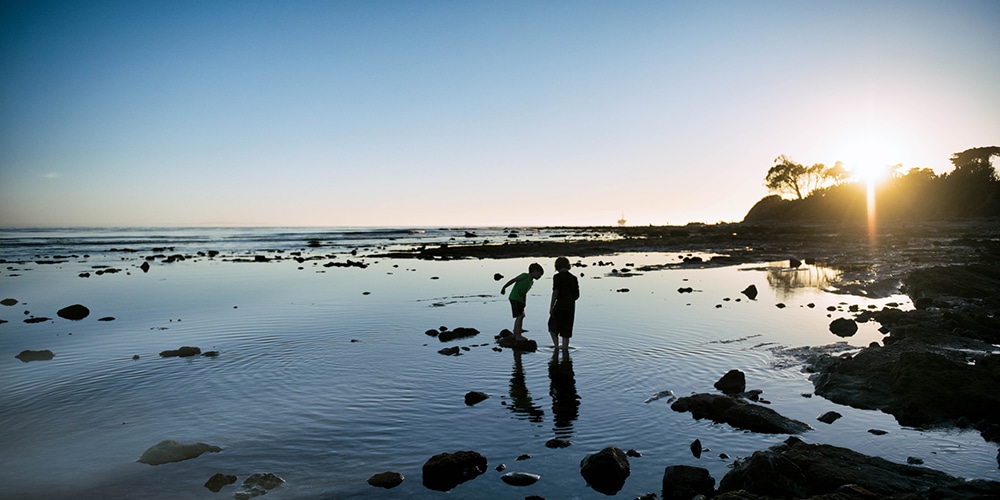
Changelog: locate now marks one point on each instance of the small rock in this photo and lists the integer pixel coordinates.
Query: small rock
(216, 482)
(8, 302)
(696, 448)
(386, 479)
(877, 432)
(168, 450)
(520, 478)
(632, 452)
(606, 470)
(29, 355)
(74, 312)
(914, 461)
(451, 351)
(473, 397)
(558, 443)
(733, 382)
(750, 292)
(183, 352)
(829, 417)
(524, 457)
(844, 327)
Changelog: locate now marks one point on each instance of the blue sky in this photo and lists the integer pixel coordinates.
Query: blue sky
(470, 113)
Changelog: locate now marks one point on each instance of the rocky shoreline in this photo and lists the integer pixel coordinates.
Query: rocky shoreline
(935, 367)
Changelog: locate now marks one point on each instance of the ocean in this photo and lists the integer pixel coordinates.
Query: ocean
(325, 374)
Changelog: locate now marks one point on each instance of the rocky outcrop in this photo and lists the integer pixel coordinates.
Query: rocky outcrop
(168, 450)
(738, 413)
(444, 471)
(795, 469)
(606, 470)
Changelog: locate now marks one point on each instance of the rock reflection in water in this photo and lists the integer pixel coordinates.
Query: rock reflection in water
(786, 281)
(562, 389)
(521, 402)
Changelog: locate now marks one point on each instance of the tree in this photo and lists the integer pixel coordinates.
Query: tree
(975, 163)
(789, 177)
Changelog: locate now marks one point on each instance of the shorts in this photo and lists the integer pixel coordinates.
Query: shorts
(561, 322)
(517, 308)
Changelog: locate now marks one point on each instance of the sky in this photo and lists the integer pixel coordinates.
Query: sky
(481, 113)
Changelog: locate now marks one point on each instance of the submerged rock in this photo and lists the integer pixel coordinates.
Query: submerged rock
(606, 470)
(506, 339)
(386, 479)
(218, 481)
(520, 478)
(183, 352)
(29, 355)
(444, 471)
(739, 414)
(457, 333)
(168, 450)
(474, 397)
(829, 417)
(258, 484)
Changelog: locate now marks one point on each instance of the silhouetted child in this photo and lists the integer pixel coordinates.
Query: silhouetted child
(565, 291)
(518, 295)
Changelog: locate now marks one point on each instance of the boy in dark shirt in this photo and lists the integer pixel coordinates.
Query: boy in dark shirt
(565, 291)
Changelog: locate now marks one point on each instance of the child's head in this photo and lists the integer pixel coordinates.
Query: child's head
(562, 263)
(535, 270)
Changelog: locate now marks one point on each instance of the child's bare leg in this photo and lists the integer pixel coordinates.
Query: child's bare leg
(565, 343)
(555, 339)
(517, 327)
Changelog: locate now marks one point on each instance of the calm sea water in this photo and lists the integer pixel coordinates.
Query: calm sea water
(325, 375)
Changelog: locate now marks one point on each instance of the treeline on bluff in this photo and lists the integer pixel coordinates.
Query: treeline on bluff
(830, 194)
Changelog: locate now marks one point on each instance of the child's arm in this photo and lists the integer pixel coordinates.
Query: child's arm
(552, 305)
(503, 290)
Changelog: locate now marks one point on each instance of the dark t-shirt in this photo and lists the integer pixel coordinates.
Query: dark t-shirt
(569, 290)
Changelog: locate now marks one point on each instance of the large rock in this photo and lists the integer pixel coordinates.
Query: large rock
(506, 339)
(29, 355)
(683, 482)
(458, 333)
(606, 470)
(74, 312)
(739, 414)
(733, 382)
(795, 469)
(444, 471)
(843, 327)
(168, 450)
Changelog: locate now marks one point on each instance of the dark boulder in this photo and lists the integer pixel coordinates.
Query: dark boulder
(29, 355)
(8, 302)
(258, 484)
(474, 397)
(606, 470)
(386, 479)
(739, 414)
(144, 266)
(506, 339)
(683, 482)
(520, 478)
(451, 351)
(750, 292)
(733, 382)
(829, 417)
(843, 327)
(444, 471)
(74, 312)
(558, 443)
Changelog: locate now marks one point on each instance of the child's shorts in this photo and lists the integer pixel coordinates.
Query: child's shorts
(561, 322)
(517, 307)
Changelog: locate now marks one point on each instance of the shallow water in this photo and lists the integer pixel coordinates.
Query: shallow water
(325, 375)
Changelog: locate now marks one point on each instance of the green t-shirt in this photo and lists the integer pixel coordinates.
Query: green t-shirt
(519, 291)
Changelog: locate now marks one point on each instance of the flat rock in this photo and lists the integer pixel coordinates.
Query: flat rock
(218, 481)
(183, 352)
(387, 480)
(739, 414)
(168, 450)
(74, 312)
(29, 355)
(520, 478)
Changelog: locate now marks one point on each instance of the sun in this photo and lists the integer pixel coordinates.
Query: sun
(872, 160)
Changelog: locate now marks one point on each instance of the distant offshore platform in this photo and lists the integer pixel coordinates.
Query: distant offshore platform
(621, 222)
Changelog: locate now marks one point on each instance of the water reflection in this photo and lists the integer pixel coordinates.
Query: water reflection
(521, 403)
(786, 281)
(562, 389)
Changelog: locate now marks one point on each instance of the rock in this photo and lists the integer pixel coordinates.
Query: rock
(558, 443)
(9, 302)
(683, 482)
(877, 432)
(218, 481)
(794, 263)
(168, 450)
(506, 339)
(457, 333)
(606, 470)
(520, 478)
(829, 417)
(497, 277)
(796, 469)
(74, 312)
(914, 461)
(107, 318)
(844, 327)
(144, 267)
(386, 479)
(632, 452)
(41, 319)
(451, 351)
(29, 355)
(258, 484)
(523, 456)
(444, 471)
(474, 397)
(685, 290)
(739, 414)
(733, 382)
(183, 352)
(750, 292)
(696, 448)
(432, 333)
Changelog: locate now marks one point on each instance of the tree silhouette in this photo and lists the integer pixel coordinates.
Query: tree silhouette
(789, 177)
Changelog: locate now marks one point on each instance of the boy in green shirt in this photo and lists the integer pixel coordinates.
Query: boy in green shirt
(518, 295)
